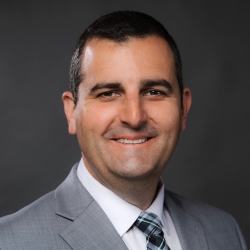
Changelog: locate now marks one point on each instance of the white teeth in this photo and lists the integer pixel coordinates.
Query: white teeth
(126, 141)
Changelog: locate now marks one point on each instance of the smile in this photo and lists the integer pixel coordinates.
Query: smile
(126, 141)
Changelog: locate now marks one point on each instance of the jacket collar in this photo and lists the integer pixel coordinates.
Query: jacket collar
(90, 227)
(189, 229)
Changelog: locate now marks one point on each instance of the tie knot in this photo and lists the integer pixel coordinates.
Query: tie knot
(149, 224)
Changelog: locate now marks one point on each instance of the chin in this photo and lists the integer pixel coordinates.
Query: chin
(135, 171)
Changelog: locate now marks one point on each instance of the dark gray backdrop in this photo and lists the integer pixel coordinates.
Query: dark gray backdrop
(211, 162)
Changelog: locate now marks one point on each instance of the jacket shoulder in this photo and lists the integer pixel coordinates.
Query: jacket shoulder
(196, 208)
(35, 225)
(217, 224)
(42, 205)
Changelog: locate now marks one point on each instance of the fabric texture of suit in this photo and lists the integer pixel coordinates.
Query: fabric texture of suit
(69, 218)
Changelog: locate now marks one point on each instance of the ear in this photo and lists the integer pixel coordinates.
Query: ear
(69, 110)
(187, 99)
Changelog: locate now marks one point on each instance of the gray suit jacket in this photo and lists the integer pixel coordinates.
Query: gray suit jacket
(69, 218)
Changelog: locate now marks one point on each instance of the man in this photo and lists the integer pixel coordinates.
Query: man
(127, 106)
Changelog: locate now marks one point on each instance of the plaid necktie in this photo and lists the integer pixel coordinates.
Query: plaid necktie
(150, 225)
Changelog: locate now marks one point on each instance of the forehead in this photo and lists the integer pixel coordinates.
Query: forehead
(105, 60)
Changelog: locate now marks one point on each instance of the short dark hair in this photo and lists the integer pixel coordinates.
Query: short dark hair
(119, 26)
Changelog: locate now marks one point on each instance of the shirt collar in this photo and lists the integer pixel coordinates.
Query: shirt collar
(121, 213)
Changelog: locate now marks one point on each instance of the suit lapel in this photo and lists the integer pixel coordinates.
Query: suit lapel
(189, 229)
(90, 227)
(92, 230)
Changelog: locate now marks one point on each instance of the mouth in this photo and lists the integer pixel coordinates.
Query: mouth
(127, 141)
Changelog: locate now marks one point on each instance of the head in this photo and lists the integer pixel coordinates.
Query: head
(119, 27)
(127, 105)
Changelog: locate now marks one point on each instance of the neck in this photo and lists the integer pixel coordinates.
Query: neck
(140, 192)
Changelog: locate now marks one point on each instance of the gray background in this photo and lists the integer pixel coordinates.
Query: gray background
(211, 162)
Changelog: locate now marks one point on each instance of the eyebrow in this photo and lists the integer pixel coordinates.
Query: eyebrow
(98, 86)
(154, 83)
(144, 84)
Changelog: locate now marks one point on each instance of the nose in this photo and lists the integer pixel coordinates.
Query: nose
(133, 112)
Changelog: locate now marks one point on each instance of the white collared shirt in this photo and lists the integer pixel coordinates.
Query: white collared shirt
(123, 214)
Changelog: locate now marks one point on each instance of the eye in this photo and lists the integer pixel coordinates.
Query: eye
(108, 94)
(154, 92)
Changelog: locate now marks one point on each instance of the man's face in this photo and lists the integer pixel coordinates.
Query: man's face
(128, 117)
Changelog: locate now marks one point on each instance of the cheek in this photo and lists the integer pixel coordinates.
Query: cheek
(96, 118)
(166, 116)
